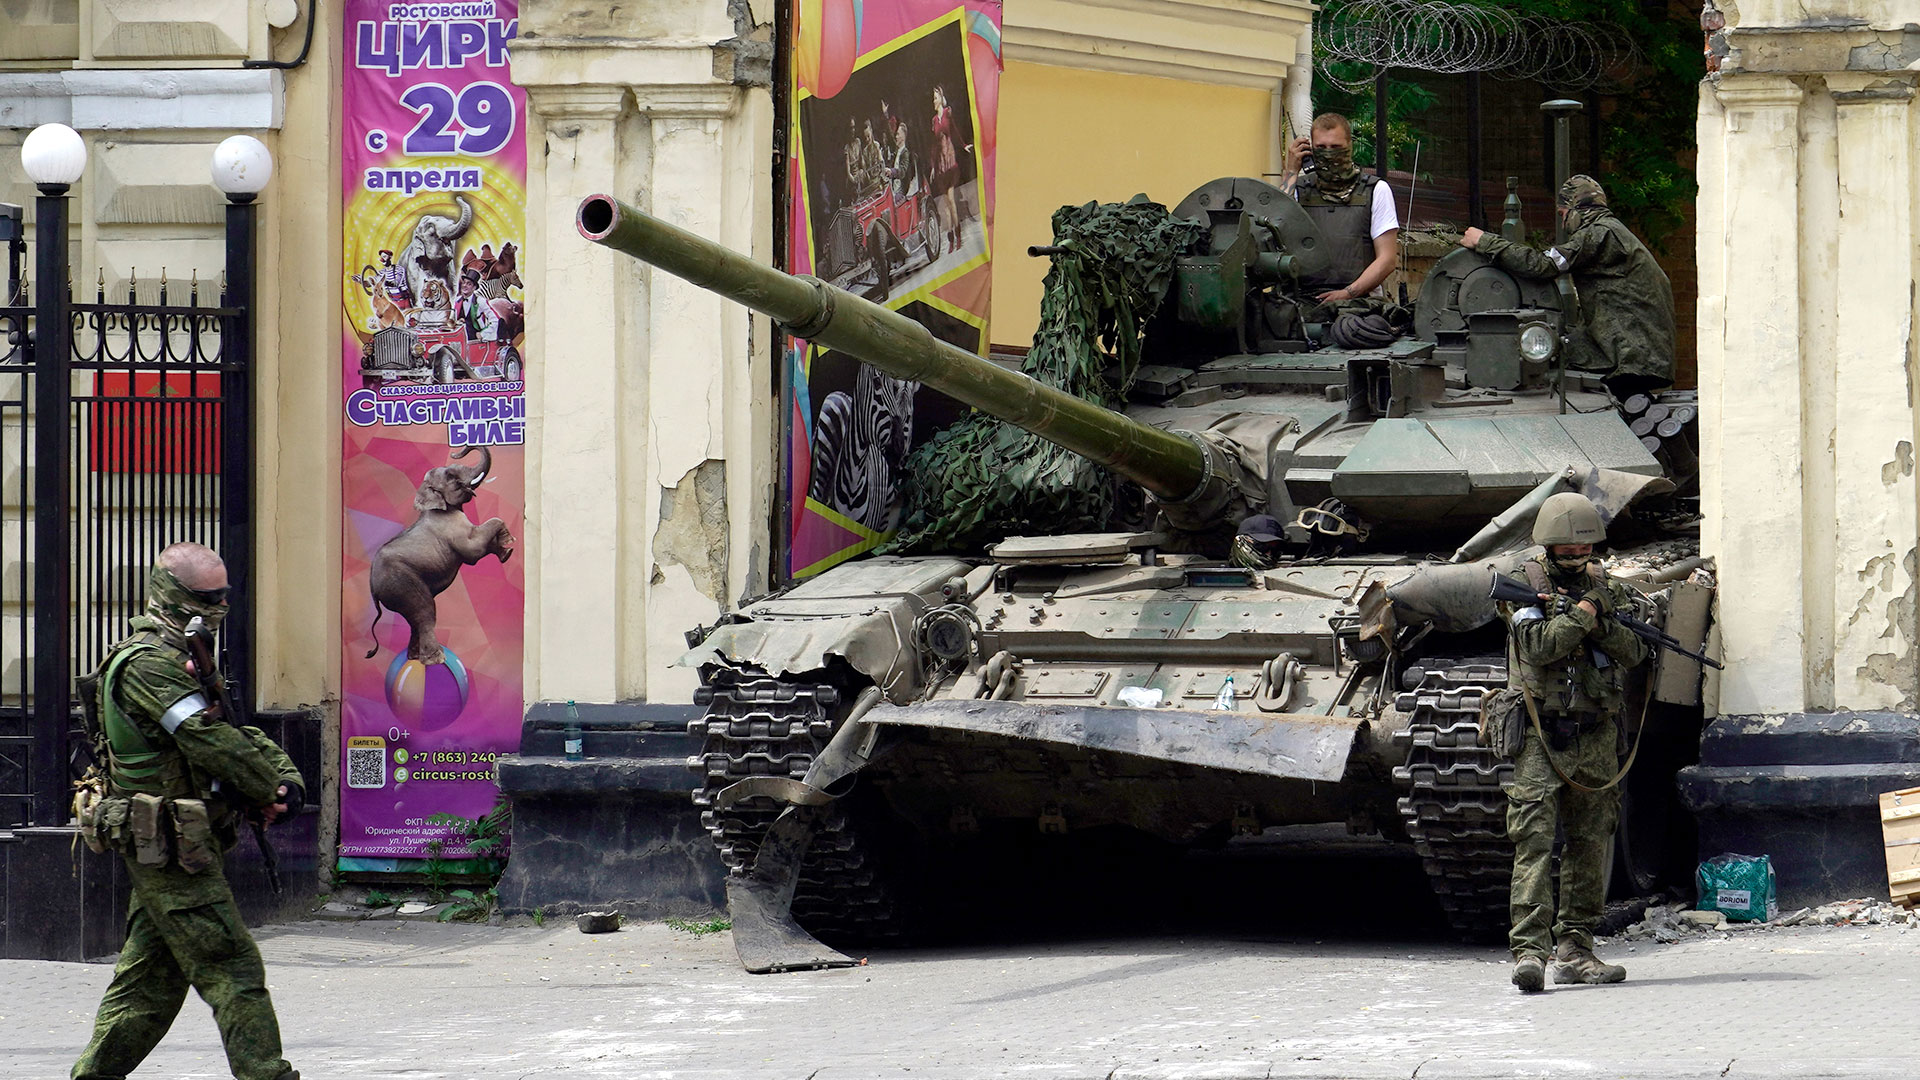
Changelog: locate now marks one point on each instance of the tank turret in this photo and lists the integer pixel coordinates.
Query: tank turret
(1192, 479)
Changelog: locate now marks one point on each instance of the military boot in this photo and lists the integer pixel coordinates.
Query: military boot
(1577, 964)
(1529, 974)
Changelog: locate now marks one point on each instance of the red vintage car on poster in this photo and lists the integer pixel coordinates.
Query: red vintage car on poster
(437, 353)
(879, 239)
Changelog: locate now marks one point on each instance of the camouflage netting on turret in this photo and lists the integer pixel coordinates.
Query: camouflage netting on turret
(981, 480)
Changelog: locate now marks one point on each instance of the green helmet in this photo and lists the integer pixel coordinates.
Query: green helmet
(1568, 518)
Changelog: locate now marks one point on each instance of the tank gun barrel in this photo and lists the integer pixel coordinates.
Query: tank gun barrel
(1177, 469)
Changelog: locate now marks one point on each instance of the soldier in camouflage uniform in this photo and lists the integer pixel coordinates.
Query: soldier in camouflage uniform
(178, 781)
(1626, 301)
(1572, 663)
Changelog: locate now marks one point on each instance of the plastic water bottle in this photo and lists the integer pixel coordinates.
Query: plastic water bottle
(575, 739)
(1224, 700)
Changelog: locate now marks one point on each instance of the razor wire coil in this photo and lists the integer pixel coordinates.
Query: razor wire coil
(1459, 38)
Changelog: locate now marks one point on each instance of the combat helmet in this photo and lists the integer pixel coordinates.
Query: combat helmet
(1568, 518)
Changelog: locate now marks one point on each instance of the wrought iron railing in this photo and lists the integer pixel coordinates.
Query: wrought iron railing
(156, 399)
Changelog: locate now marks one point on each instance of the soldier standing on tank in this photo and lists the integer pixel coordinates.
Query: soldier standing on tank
(1625, 332)
(1571, 661)
(1355, 213)
(191, 776)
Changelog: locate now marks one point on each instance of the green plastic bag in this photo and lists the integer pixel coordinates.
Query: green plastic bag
(1739, 886)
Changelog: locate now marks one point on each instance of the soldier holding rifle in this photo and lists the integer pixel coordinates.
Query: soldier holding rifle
(179, 776)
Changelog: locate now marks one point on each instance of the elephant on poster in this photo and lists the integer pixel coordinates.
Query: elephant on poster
(411, 570)
(428, 256)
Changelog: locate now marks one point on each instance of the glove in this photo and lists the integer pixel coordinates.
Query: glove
(296, 798)
(1558, 604)
(1601, 599)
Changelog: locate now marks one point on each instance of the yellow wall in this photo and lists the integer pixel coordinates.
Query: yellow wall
(1067, 136)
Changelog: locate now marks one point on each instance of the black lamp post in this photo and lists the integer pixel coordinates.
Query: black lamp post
(241, 168)
(54, 157)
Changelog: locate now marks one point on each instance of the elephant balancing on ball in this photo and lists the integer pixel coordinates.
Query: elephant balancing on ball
(411, 569)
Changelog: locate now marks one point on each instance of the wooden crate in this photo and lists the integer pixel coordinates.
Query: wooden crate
(1900, 825)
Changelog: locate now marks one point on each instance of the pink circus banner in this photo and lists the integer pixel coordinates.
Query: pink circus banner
(891, 197)
(433, 194)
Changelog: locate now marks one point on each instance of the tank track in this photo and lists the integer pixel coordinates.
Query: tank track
(761, 726)
(1454, 804)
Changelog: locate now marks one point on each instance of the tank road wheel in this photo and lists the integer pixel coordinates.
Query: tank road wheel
(761, 726)
(1453, 801)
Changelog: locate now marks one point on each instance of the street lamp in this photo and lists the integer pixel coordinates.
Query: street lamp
(54, 157)
(240, 168)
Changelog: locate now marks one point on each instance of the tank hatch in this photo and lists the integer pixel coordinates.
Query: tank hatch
(1072, 549)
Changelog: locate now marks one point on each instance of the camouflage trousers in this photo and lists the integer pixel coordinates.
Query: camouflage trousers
(1538, 805)
(168, 949)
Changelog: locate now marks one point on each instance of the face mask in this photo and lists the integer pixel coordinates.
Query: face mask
(1572, 563)
(174, 605)
(1333, 160)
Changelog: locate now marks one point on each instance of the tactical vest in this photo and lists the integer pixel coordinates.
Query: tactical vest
(1584, 681)
(1347, 228)
(135, 765)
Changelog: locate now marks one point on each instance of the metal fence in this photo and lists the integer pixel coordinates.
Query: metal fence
(154, 447)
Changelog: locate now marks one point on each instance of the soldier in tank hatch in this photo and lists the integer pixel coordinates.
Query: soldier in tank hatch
(1625, 332)
(1355, 212)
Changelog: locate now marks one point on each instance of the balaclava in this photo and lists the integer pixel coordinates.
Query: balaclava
(1585, 202)
(171, 606)
(1335, 175)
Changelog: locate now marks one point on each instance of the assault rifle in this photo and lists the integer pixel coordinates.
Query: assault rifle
(1509, 591)
(213, 685)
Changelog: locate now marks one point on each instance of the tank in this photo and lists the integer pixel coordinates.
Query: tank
(1145, 677)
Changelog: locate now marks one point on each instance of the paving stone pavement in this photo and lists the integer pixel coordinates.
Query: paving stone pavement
(424, 1001)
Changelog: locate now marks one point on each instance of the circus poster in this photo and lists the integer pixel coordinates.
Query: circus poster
(890, 191)
(433, 197)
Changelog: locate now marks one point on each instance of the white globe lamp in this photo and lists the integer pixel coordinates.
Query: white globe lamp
(241, 167)
(54, 156)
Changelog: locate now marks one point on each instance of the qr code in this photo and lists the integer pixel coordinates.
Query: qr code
(366, 767)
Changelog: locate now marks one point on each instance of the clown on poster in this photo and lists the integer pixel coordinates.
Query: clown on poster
(433, 193)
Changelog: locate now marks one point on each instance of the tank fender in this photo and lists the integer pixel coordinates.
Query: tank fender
(862, 613)
(1290, 745)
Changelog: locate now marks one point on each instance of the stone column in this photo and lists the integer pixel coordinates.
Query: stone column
(1874, 663)
(1753, 407)
(707, 488)
(575, 519)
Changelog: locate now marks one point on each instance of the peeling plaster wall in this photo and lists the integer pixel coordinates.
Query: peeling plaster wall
(652, 454)
(1807, 359)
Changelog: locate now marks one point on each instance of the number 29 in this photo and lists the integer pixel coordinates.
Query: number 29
(485, 111)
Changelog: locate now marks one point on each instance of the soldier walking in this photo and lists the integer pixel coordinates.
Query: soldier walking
(179, 779)
(1571, 662)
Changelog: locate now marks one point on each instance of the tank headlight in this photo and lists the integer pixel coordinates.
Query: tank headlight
(1537, 343)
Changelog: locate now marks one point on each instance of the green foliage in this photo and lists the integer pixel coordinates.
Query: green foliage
(1647, 120)
(980, 480)
(378, 899)
(483, 836)
(700, 927)
(539, 916)
(1405, 103)
(465, 905)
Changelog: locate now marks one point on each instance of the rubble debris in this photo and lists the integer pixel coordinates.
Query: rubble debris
(598, 922)
(1669, 923)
